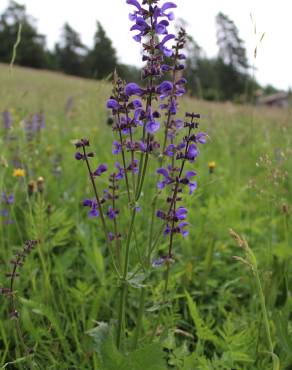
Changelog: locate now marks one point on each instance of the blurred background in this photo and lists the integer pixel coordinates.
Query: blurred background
(234, 48)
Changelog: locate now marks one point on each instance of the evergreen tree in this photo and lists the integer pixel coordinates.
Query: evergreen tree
(232, 64)
(31, 50)
(102, 59)
(231, 47)
(70, 52)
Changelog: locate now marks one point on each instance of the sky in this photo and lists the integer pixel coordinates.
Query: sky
(273, 63)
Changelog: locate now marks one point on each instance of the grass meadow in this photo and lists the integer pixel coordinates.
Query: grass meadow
(66, 287)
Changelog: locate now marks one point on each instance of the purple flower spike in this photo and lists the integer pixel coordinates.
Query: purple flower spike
(100, 169)
(117, 148)
(133, 89)
(152, 126)
(112, 104)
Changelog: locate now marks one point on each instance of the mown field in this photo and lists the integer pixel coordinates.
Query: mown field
(66, 286)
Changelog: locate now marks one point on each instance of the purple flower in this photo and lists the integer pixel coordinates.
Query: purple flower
(161, 27)
(136, 103)
(170, 150)
(4, 212)
(201, 138)
(162, 171)
(167, 6)
(7, 199)
(133, 89)
(165, 88)
(142, 146)
(193, 186)
(135, 3)
(117, 147)
(134, 166)
(192, 152)
(167, 179)
(111, 236)
(112, 213)
(160, 214)
(167, 52)
(93, 212)
(88, 203)
(142, 26)
(158, 262)
(167, 230)
(181, 213)
(7, 119)
(165, 68)
(120, 174)
(112, 104)
(182, 230)
(173, 106)
(79, 156)
(100, 169)
(190, 174)
(179, 124)
(152, 126)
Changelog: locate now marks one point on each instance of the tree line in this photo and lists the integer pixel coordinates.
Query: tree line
(225, 77)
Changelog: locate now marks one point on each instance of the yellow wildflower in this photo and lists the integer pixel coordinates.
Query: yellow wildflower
(212, 166)
(18, 172)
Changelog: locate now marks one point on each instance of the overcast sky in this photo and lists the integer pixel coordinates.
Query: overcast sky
(274, 59)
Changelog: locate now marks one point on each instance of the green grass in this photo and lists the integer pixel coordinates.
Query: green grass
(67, 285)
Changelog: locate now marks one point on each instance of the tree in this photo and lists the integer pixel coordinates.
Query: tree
(231, 47)
(232, 64)
(102, 59)
(31, 50)
(70, 52)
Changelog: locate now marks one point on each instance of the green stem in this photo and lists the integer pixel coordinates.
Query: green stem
(265, 317)
(140, 316)
(122, 308)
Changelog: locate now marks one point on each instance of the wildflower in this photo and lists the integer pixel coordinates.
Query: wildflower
(7, 120)
(100, 170)
(117, 148)
(212, 166)
(112, 104)
(41, 184)
(31, 187)
(7, 200)
(133, 89)
(18, 172)
(112, 213)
